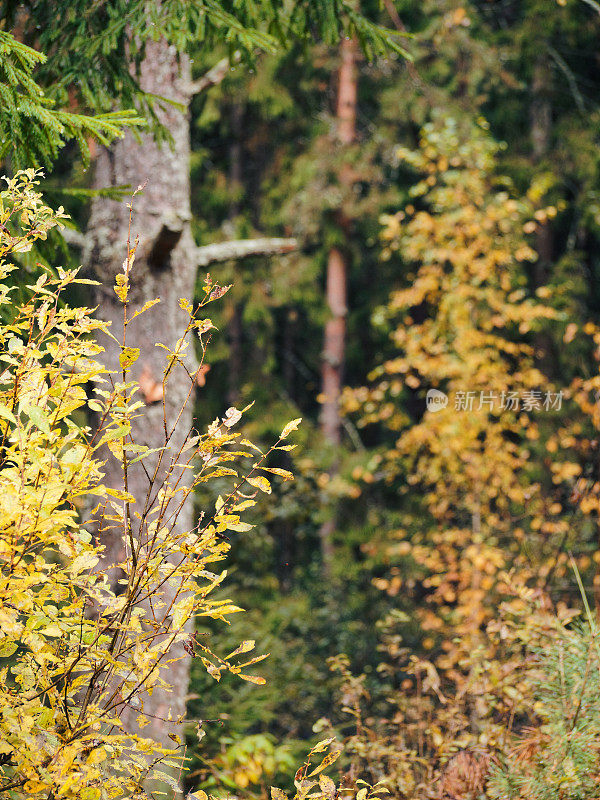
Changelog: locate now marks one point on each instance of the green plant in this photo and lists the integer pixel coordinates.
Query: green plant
(553, 747)
(32, 128)
(249, 764)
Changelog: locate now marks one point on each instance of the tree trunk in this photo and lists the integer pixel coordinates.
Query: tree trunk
(334, 349)
(165, 268)
(235, 310)
(337, 269)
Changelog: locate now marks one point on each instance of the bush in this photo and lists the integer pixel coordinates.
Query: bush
(75, 651)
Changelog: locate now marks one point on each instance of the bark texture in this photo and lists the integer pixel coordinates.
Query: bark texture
(166, 264)
(335, 345)
(334, 350)
(165, 268)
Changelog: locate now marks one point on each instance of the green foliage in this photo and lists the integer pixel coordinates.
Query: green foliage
(555, 754)
(32, 128)
(94, 52)
(249, 763)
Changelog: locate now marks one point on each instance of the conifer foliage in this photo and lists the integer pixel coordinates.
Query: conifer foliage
(87, 59)
(33, 127)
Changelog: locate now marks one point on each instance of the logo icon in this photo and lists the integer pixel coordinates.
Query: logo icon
(436, 400)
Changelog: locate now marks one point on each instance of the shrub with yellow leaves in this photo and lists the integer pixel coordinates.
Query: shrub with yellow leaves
(74, 650)
(460, 328)
(312, 784)
(465, 460)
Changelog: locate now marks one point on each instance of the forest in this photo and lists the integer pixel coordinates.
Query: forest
(300, 399)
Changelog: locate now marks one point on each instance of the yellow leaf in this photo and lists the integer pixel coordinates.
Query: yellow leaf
(34, 786)
(291, 426)
(118, 432)
(232, 415)
(97, 756)
(182, 612)
(259, 482)
(321, 746)
(241, 779)
(283, 473)
(52, 630)
(329, 759)
(90, 793)
(253, 679)
(212, 670)
(245, 647)
(327, 785)
(239, 527)
(8, 647)
(121, 287)
(128, 357)
(145, 307)
(7, 414)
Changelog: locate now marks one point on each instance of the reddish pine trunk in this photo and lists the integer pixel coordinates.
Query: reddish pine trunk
(337, 279)
(347, 92)
(334, 349)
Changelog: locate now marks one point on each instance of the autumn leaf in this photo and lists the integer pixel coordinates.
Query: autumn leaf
(127, 357)
(259, 482)
(291, 426)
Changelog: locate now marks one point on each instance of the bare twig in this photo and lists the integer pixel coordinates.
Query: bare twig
(395, 17)
(593, 4)
(75, 238)
(213, 77)
(242, 248)
(565, 69)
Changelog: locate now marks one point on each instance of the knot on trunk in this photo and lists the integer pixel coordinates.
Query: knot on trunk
(166, 240)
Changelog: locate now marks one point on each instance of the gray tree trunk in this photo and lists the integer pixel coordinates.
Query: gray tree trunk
(165, 268)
